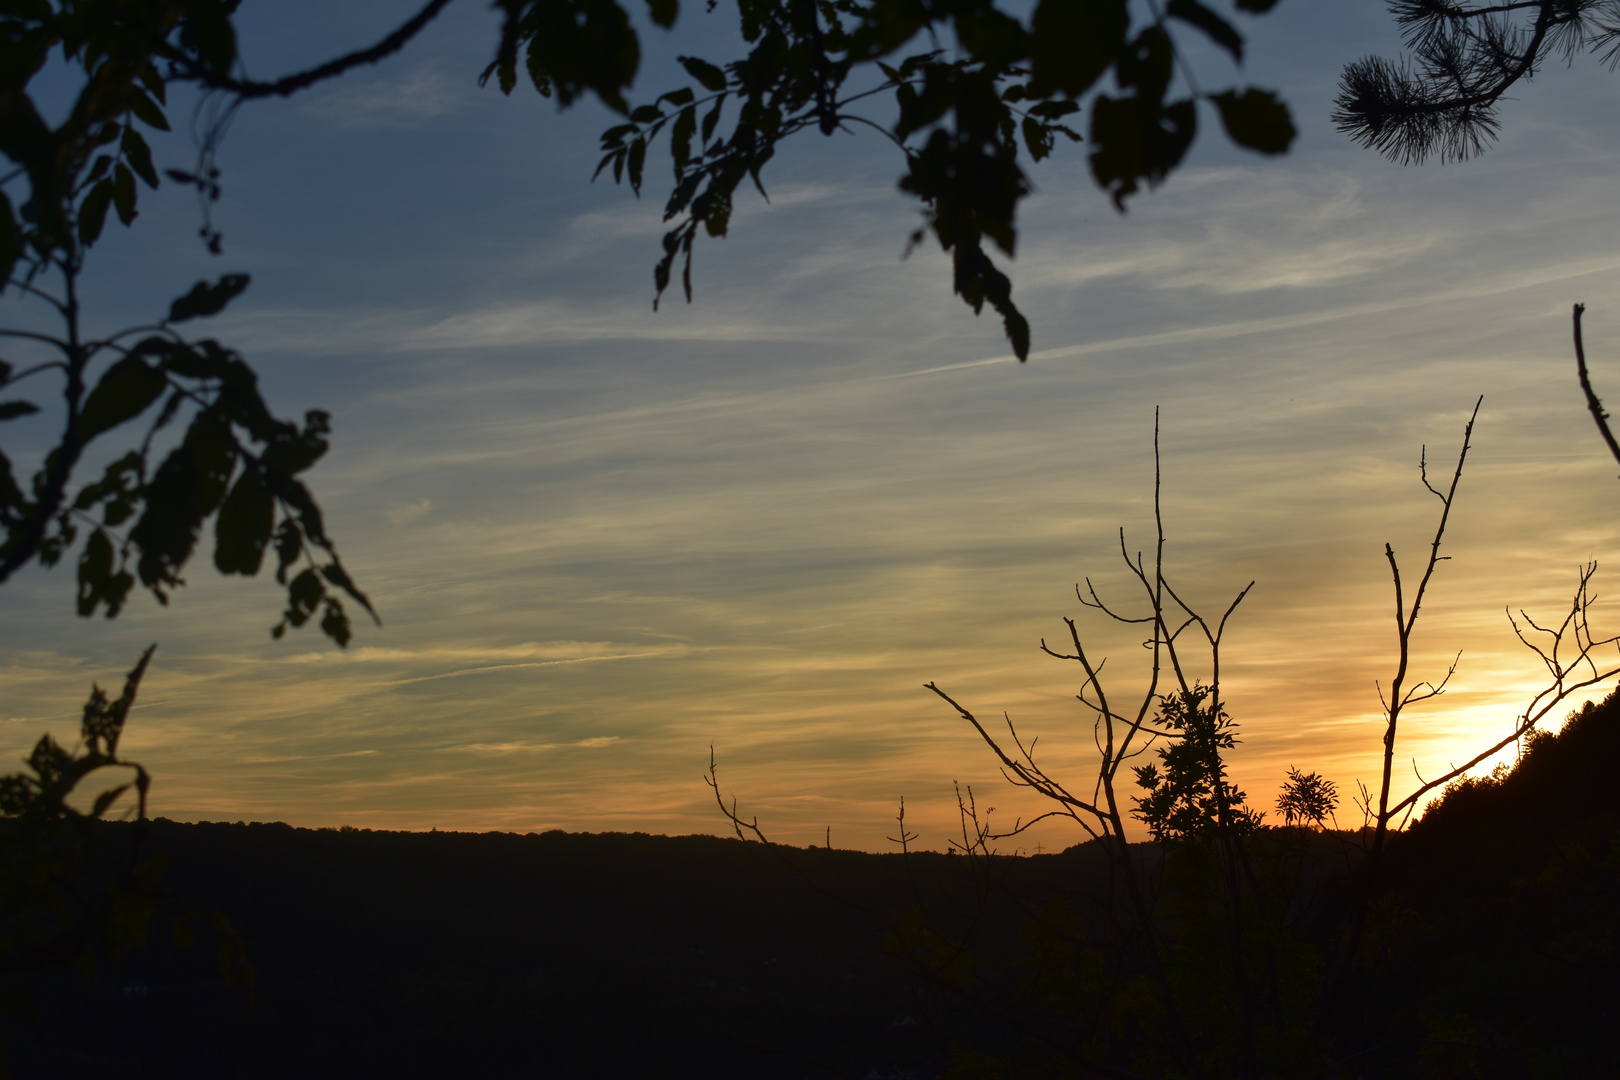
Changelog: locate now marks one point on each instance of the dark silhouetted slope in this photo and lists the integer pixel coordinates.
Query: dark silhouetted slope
(487, 954)
(1504, 908)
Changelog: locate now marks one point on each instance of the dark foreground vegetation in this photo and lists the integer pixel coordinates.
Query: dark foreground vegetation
(1491, 950)
(428, 954)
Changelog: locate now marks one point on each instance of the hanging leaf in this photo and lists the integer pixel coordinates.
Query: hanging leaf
(638, 156)
(708, 76)
(11, 242)
(1074, 42)
(242, 529)
(1137, 139)
(1257, 120)
(148, 110)
(139, 156)
(93, 211)
(680, 138)
(711, 119)
(187, 487)
(98, 583)
(125, 391)
(206, 299)
(304, 594)
(124, 194)
(1037, 137)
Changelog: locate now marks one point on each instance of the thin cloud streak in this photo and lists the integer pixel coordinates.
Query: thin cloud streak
(519, 667)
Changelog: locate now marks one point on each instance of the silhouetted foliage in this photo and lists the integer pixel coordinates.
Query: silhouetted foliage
(1464, 57)
(965, 115)
(62, 898)
(234, 462)
(1192, 796)
(961, 119)
(1307, 799)
(1508, 890)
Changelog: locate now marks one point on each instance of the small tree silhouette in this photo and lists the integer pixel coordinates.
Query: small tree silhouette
(1192, 794)
(1307, 799)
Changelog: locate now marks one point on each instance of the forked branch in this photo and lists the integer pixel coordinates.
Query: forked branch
(1022, 771)
(1406, 624)
(737, 823)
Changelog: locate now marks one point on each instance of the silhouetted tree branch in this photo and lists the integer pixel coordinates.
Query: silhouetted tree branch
(188, 66)
(1599, 416)
(1398, 698)
(1465, 57)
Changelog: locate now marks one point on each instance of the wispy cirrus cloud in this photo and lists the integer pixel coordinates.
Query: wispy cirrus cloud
(391, 99)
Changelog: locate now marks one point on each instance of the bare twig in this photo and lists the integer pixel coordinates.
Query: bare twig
(904, 839)
(737, 823)
(1599, 416)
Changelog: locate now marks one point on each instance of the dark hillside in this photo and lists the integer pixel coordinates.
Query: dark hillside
(567, 955)
(1506, 906)
(1564, 785)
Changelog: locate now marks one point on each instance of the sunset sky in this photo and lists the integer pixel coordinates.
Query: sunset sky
(602, 539)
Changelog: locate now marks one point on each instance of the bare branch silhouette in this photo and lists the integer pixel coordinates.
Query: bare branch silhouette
(1599, 416)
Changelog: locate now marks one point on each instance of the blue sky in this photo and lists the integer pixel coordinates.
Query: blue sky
(602, 539)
